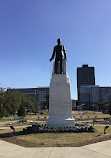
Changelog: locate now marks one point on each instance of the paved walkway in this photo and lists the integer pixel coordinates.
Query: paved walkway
(97, 150)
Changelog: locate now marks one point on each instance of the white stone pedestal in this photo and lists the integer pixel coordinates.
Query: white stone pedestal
(60, 105)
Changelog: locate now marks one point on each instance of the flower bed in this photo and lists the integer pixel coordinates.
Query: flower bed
(79, 128)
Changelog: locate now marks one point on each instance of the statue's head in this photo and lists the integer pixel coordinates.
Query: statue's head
(59, 41)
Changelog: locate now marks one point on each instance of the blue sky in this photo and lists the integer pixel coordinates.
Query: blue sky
(29, 30)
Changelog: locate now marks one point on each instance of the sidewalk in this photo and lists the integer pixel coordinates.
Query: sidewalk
(97, 150)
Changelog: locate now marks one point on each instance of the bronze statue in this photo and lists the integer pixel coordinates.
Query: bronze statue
(59, 56)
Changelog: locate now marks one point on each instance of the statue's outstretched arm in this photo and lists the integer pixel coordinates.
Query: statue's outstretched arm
(53, 55)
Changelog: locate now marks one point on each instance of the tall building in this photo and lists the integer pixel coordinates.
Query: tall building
(40, 93)
(85, 76)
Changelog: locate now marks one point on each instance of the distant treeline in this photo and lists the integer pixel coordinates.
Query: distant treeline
(13, 102)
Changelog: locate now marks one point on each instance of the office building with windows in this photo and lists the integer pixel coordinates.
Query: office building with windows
(89, 95)
(40, 93)
(85, 76)
(105, 94)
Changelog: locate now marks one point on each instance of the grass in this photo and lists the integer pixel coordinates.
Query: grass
(6, 118)
(86, 115)
(91, 116)
(60, 139)
(33, 117)
(9, 130)
(56, 139)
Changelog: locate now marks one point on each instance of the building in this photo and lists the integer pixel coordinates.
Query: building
(89, 95)
(40, 93)
(84, 94)
(85, 76)
(105, 94)
(94, 94)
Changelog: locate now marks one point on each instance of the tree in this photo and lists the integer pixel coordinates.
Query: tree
(109, 111)
(2, 96)
(2, 100)
(1, 112)
(36, 107)
(13, 101)
(99, 106)
(47, 101)
(30, 104)
(45, 104)
(22, 110)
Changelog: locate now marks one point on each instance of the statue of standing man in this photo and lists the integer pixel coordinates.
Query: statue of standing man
(60, 56)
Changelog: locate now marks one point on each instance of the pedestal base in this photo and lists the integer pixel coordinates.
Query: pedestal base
(56, 121)
(60, 105)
